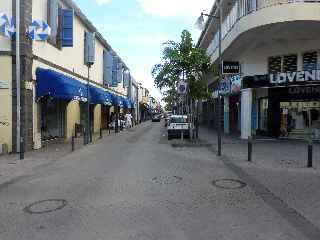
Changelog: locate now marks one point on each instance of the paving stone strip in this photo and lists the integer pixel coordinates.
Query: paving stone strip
(296, 219)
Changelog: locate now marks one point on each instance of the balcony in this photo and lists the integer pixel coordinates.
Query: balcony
(255, 13)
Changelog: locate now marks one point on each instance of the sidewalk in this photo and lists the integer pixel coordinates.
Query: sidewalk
(266, 153)
(11, 167)
(279, 166)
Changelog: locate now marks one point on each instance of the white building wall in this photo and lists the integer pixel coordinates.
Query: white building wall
(255, 61)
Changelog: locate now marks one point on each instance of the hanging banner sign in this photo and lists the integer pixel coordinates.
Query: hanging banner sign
(39, 30)
(229, 67)
(182, 87)
(7, 27)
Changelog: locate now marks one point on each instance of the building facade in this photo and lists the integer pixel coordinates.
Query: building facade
(56, 82)
(277, 46)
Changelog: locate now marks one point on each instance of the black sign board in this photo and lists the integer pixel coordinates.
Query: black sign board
(282, 79)
(229, 67)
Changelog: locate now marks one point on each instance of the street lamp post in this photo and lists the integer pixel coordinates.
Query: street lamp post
(200, 24)
(19, 139)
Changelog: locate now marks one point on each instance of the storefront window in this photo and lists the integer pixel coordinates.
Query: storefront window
(310, 60)
(300, 118)
(263, 114)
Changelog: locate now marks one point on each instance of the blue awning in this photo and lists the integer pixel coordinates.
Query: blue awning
(126, 103)
(133, 104)
(99, 96)
(59, 86)
(118, 101)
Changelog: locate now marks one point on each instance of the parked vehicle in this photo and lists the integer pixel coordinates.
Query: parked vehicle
(178, 124)
(156, 118)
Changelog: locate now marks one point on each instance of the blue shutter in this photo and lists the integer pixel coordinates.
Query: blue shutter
(89, 48)
(67, 28)
(53, 10)
(107, 68)
(114, 71)
(120, 71)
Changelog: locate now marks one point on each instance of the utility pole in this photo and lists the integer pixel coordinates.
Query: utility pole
(19, 139)
(200, 24)
(220, 80)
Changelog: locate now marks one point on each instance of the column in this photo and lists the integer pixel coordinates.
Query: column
(226, 115)
(246, 110)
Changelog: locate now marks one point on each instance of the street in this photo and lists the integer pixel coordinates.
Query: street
(138, 186)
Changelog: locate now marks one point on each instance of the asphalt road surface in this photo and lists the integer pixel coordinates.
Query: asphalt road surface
(136, 186)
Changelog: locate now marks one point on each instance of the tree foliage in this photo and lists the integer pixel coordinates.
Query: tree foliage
(183, 59)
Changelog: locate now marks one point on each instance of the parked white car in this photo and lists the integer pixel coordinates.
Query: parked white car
(178, 124)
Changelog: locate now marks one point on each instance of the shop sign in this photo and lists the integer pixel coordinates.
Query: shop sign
(235, 82)
(4, 84)
(304, 90)
(229, 67)
(295, 77)
(282, 79)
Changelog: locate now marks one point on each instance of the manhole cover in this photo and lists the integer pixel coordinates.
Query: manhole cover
(167, 179)
(229, 183)
(46, 206)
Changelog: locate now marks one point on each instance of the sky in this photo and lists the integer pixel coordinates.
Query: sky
(137, 29)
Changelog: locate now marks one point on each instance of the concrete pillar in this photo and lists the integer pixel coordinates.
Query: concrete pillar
(226, 115)
(73, 117)
(97, 118)
(246, 110)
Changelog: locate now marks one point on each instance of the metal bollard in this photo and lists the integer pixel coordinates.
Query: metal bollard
(84, 137)
(249, 149)
(310, 150)
(182, 135)
(21, 149)
(72, 143)
(90, 136)
(101, 133)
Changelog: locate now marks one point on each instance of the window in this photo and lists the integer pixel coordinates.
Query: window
(287, 63)
(310, 60)
(61, 22)
(274, 64)
(290, 63)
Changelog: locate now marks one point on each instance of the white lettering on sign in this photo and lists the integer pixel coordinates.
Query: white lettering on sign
(292, 77)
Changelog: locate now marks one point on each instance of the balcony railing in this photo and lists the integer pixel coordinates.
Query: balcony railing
(242, 8)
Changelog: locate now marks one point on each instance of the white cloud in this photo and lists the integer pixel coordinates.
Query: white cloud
(176, 8)
(101, 2)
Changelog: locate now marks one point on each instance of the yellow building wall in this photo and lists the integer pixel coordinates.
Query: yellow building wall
(5, 7)
(71, 58)
(73, 117)
(6, 102)
(97, 118)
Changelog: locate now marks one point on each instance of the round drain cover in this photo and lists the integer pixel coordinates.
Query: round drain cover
(229, 183)
(46, 206)
(167, 179)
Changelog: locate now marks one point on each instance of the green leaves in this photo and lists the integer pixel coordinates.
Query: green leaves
(183, 57)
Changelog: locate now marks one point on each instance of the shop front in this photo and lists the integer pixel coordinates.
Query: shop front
(290, 107)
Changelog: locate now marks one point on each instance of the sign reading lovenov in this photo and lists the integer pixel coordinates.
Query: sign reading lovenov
(229, 67)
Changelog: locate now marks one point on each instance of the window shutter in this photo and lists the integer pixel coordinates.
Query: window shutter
(67, 28)
(310, 60)
(120, 71)
(89, 48)
(114, 71)
(107, 68)
(53, 9)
